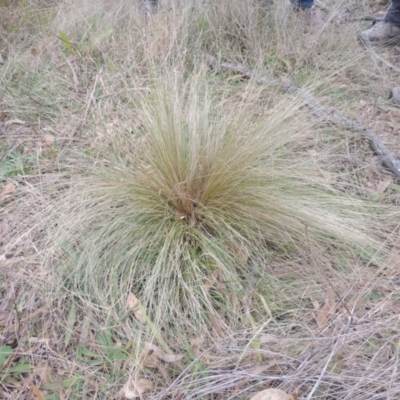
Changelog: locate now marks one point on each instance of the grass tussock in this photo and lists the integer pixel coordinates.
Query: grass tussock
(209, 193)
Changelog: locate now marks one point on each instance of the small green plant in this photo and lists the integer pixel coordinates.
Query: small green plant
(12, 366)
(16, 164)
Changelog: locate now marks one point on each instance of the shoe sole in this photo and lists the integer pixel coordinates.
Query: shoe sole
(378, 42)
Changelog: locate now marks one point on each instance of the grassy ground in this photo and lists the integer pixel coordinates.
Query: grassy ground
(168, 230)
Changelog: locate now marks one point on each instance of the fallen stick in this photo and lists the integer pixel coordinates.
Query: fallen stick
(373, 18)
(329, 115)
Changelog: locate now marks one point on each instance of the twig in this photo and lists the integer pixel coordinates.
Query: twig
(374, 18)
(329, 115)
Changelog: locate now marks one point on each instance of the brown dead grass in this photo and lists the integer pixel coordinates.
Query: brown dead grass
(68, 343)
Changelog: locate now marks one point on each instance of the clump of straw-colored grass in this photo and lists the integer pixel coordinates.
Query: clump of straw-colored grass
(185, 212)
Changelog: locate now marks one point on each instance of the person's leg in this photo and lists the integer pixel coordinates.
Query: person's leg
(302, 3)
(387, 30)
(393, 13)
(304, 10)
(150, 7)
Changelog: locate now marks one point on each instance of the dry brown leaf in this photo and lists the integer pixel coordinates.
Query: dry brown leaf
(161, 355)
(37, 392)
(327, 310)
(15, 121)
(134, 303)
(3, 115)
(47, 139)
(135, 388)
(272, 394)
(7, 191)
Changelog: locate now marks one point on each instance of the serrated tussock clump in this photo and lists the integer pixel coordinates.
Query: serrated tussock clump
(187, 209)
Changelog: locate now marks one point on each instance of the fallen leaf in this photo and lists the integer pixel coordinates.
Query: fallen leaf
(272, 394)
(161, 355)
(135, 388)
(134, 303)
(34, 52)
(327, 310)
(3, 115)
(15, 121)
(37, 392)
(7, 191)
(47, 139)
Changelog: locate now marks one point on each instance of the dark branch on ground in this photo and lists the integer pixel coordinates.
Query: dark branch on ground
(329, 115)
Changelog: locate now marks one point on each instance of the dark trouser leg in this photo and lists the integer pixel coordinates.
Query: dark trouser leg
(393, 14)
(304, 3)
